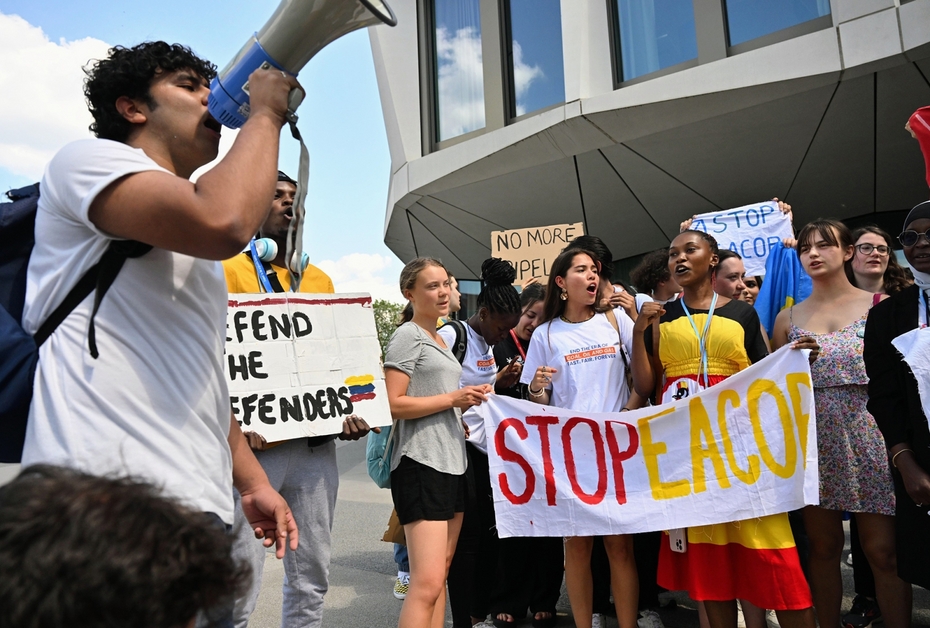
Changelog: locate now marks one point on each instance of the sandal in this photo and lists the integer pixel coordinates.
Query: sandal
(503, 623)
(544, 622)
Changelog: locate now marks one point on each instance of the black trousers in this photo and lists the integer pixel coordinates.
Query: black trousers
(473, 573)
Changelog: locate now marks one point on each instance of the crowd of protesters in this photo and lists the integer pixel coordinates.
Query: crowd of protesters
(79, 548)
(871, 447)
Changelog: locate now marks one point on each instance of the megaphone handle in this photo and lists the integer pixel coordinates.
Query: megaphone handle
(294, 99)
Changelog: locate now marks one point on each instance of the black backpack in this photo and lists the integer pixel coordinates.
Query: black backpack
(19, 351)
(460, 346)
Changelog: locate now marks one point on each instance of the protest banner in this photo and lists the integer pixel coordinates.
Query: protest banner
(297, 365)
(744, 448)
(531, 250)
(751, 231)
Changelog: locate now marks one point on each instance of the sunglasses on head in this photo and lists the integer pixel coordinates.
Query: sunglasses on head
(910, 237)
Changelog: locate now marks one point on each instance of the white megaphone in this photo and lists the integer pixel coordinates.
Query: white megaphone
(292, 36)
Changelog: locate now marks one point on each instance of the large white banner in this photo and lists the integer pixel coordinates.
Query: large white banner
(298, 364)
(744, 448)
(751, 231)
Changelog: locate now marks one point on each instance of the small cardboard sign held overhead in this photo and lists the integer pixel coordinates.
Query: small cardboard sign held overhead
(297, 365)
(531, 250)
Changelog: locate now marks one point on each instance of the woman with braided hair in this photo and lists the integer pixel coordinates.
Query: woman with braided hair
(473, 570)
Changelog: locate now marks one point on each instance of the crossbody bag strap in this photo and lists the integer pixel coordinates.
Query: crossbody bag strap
(628, 372)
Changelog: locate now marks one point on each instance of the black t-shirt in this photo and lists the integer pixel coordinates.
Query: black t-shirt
(504, 353)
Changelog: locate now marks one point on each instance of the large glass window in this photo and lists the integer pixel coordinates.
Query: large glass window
(537, 78)
(749, 19)
(655, 34)
(459, 68)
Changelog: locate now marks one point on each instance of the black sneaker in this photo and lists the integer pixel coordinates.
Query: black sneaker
(864, 613)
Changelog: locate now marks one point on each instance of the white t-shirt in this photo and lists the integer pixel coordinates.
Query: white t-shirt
(155, 403)
(590, 372)
(478, 368)
(640, 298)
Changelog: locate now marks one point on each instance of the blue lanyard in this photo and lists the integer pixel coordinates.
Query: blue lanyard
(260, 269)
(702, 337)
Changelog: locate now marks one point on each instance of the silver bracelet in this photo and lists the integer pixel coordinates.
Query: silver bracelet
(535, 394)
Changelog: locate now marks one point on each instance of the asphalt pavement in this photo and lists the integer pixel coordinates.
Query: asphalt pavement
(362, 571)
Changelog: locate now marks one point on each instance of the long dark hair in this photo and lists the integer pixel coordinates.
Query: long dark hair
(554, 305)
(895, 278)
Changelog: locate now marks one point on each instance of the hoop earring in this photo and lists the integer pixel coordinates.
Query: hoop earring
(564, 295)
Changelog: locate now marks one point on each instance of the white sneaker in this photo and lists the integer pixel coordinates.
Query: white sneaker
(771, 619)
(598, 620)
(484, 624)
(649, 619)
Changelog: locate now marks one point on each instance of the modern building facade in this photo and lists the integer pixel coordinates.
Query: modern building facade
(631, 115)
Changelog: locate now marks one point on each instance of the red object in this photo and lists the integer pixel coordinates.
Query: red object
(920, 127)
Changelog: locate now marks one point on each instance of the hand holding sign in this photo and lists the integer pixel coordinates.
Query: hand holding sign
(751, 230)
(468, 396)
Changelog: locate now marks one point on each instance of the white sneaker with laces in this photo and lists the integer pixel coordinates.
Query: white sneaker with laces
(598, 620)
(649, 619)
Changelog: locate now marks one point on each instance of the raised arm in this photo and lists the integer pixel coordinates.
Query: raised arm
(643, 372)
(215, 217)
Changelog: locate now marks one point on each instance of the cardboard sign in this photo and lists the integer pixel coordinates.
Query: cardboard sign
(531, 250)
(742, 449)
(298, 364)
(751, 231)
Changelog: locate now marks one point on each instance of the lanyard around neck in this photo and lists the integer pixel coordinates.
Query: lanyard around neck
(516, 341)
(264, 282)
(702, 337)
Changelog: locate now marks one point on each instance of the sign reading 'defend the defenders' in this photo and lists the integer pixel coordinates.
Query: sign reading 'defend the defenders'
(298, 364)
(531, 250)
(751, 231)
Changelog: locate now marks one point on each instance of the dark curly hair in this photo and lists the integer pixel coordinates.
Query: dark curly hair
(129, 72)
(497, 292)
(81, 550)
(651, 271)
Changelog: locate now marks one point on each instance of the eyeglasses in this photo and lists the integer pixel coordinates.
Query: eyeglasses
(910, 237)
(867, 249)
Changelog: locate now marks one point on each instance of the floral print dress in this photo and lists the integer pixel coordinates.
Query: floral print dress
(854, 472)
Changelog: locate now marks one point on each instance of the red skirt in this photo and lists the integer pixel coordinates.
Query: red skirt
(754, 560)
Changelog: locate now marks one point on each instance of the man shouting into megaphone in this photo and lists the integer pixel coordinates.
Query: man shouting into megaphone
(133, 383)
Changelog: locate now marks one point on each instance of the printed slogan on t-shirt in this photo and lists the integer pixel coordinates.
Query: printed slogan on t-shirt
(297, 365)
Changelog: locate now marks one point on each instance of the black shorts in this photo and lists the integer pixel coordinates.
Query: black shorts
(423, 493)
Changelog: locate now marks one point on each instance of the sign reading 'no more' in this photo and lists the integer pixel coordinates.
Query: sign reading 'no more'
(531, 250)
(297, 365)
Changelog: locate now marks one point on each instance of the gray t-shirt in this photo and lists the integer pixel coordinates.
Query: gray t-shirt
(436, 440)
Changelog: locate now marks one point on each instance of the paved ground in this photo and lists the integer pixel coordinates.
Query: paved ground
(363, 570)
